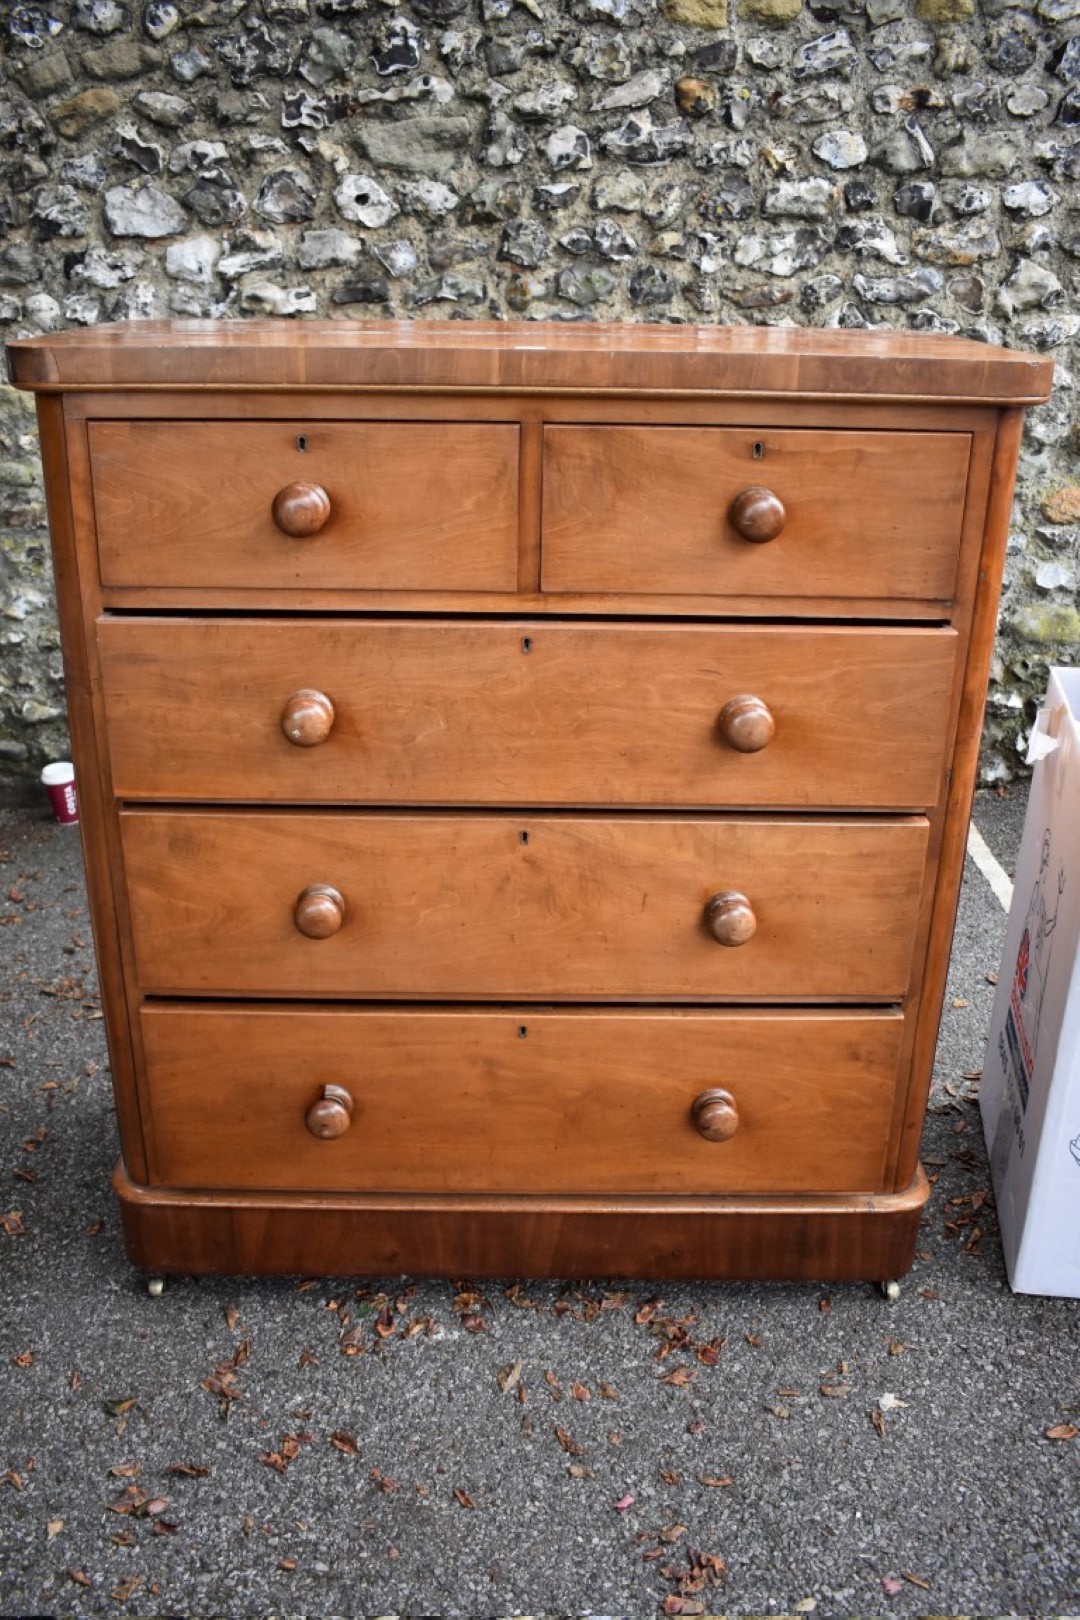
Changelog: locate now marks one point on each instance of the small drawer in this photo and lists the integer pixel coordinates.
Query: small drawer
(753, 512)
(499, 907)
(409, 1100)
(443, 712)
(307, 506)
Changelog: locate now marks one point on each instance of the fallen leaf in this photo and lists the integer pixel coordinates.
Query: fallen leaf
(878, 1421)
(345, 1442)
(624, 1503)
(568, 1443)
(156, 1507)
(679, 1376)
(916, 1580)
(13, 1224)
(891, 1584)
(1063, 1431)
(580, 1392)
(53, 1528)
(579, 1471)
(307, 1359)
(164, 1527)
(463, 1497)
(118, 1408)
(287, 1564)
(890, 1403)
(716, 1481)
(806, 1605)
(79, 1576)
(126, 1470)
(959, 1001)
(509, 1377)
(672, 1532)
(671, 1476)
(608, 1392)
(673, 1604)
(232, 1315)
(25, 1358)
(835, 1391)
(473, 1323)
(126, 1588)
(188, 1470)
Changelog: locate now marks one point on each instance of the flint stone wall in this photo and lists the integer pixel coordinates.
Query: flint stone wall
(854, 163)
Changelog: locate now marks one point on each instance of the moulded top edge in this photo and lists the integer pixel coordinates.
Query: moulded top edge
(524, 355)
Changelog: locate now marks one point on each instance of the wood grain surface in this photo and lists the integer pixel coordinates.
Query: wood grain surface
(500, 906)
(183, 501)
(648, 508)
(525, 712)
(525, 1101)
(838, 1238)
(444, 355)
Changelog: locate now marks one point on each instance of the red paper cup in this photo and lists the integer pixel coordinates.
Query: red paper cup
(59, 781)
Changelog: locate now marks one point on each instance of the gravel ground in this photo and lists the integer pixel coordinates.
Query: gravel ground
(330, 1448)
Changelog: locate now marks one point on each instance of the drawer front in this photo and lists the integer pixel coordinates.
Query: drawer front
(473, 1101)
(650, 509)
(501, 906)
(415, 712)
(408, 505)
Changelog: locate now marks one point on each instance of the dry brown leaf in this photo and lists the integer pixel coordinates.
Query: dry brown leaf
(608, 1392)
(916, 1580)
(287, 1564)
(188, 1470)
(679, 1376)
(53, 1529)
(79, 1576)
(836, 1391)
(345, 1442)
(1063, 1431)
(716, 1481)
(463, 1497)
(568, 1443)
(232, 1316)
(510, 1376)
(672, 1532)
(580, 1391)
(25, 1358)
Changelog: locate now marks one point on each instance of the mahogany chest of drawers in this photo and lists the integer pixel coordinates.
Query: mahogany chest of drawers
(525, 775)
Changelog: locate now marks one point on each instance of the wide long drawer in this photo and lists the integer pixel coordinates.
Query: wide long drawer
(753, 512)
(519, 905)
(444, 712)
(366, 505)
(519, 1101)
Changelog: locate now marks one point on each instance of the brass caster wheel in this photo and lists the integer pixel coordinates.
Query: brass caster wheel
(155, 1287)
(891, 1290)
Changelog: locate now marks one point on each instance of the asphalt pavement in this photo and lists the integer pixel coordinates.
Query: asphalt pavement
(346, 1447)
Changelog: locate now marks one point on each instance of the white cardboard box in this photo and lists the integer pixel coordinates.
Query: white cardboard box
(1030, 1093)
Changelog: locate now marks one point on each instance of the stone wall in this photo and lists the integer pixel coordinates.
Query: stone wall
(843, 162)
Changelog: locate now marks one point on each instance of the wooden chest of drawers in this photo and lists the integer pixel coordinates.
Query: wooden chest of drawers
(525, 775)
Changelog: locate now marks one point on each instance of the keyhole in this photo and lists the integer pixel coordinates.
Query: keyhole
(523, 1031)
(301, 442)
(524, 837)
(758, 450)
(526, 644)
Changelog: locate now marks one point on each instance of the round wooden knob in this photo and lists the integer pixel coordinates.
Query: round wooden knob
(301, 509)
(715, 1115)
(746, 724)
(757, 513)
(308, 718)
(730, 918)
(320, 911)
(331, 1114)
